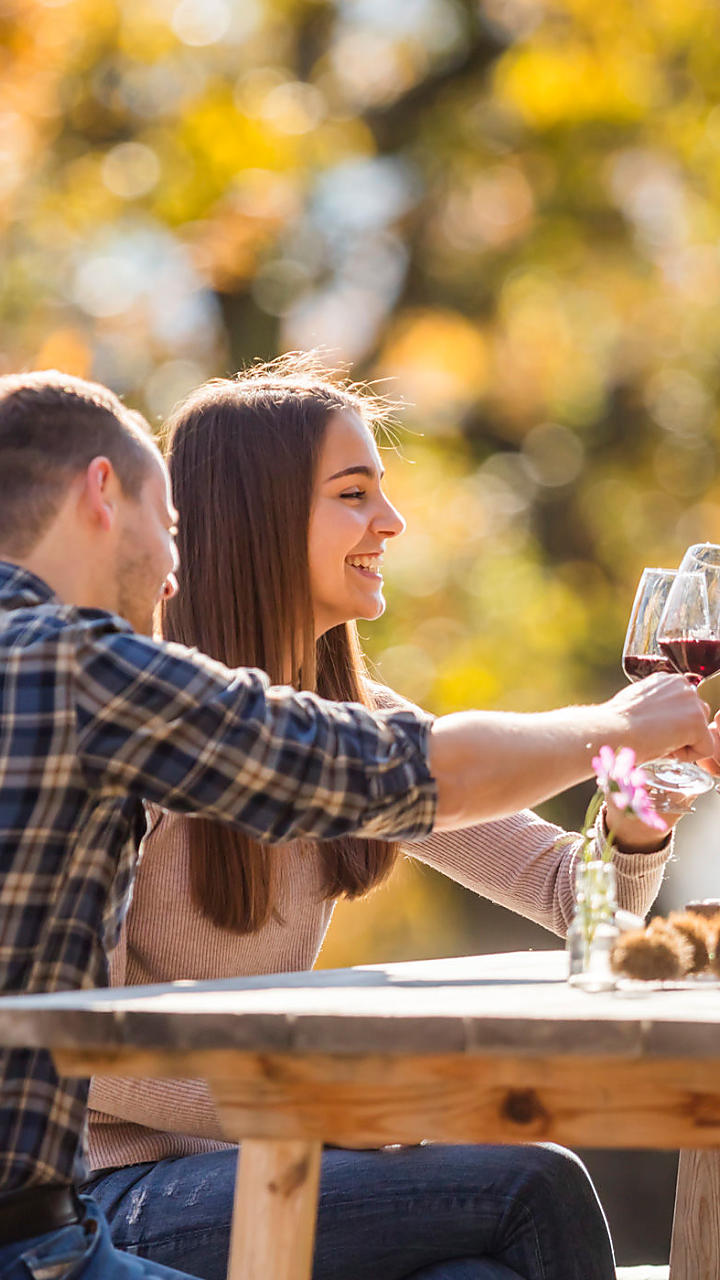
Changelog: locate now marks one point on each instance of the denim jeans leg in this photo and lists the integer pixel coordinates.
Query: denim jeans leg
(81, 1252)
(532, 1208)
(383, 1215)
(467, 1269)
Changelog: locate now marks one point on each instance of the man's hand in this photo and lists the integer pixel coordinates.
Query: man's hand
(664, 714)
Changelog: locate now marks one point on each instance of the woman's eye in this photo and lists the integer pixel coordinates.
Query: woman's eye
(354, 493)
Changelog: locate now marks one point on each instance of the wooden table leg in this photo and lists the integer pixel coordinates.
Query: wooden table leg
(273, 1227)
(695, 1248)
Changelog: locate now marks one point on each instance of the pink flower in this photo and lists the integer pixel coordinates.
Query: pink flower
(618, 777)
(610, 766)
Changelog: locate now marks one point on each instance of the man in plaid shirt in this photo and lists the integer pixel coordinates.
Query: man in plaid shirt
(95, 717)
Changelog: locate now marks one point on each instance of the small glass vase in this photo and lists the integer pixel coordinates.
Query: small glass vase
(593, 932)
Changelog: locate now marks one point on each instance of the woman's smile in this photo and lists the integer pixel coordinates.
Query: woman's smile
(368, 566)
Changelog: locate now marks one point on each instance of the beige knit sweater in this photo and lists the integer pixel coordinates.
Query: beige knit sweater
(520, 862)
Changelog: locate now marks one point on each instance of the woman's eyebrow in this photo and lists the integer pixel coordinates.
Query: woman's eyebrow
(359, 470)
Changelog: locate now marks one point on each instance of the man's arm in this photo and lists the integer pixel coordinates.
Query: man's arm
(489, 764)
(173, 726)
(631, 834)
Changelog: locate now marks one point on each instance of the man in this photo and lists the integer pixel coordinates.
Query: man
(95, 716)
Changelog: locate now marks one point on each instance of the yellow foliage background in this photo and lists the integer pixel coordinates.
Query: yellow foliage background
(506, 211)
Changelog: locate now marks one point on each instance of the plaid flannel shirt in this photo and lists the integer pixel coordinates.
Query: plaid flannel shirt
(93, 720)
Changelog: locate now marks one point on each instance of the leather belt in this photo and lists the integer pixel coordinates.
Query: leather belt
(37, 1210)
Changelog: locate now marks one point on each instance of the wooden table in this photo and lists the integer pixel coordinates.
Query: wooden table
(479, 1049)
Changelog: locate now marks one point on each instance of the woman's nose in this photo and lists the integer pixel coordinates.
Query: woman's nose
(389, 521)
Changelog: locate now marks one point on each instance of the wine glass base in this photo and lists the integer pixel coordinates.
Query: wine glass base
(671, 780)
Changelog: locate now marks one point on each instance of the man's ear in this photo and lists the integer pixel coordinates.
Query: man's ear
(99, 492)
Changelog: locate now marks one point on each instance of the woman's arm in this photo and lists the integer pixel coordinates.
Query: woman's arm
(528, 865)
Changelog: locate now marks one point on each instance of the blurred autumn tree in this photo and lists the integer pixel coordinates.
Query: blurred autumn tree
(510, 209)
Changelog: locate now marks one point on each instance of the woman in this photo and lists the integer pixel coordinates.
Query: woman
(281, 543)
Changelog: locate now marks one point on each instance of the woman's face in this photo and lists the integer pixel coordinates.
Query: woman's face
(350, 523)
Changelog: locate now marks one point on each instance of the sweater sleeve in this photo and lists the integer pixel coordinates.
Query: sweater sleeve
(527, 864)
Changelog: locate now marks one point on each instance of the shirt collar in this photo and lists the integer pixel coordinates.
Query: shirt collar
(20, 589)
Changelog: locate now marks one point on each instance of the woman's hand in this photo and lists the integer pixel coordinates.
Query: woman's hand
(632, 835)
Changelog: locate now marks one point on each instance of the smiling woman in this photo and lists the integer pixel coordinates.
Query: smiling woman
(279, 478)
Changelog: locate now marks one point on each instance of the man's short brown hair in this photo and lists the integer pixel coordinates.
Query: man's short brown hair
(51, 427)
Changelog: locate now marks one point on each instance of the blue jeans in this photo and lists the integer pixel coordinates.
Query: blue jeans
(430, 1212)
(82, 1252)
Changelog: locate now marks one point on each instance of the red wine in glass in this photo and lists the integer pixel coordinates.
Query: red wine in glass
(641, 654)
(639, 665)
(697, 657)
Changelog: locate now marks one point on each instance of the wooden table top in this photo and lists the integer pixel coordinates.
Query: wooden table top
(516, 1003)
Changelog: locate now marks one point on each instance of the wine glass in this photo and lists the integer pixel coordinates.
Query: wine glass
(642, 655)
(705, 557)
(688, 632)
(668, 779)
(701, 555)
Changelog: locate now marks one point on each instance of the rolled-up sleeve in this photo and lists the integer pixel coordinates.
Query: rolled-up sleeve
(170, 725)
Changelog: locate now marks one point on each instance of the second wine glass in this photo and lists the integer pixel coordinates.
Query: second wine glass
(688, 632)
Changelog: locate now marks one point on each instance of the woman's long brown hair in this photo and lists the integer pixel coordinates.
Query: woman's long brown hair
(242, 455)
